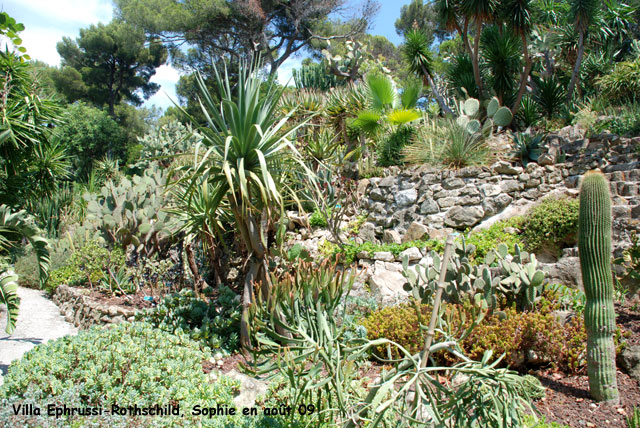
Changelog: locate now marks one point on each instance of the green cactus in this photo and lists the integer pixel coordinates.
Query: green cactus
(131, 213)
(469, 117)
(594, 245)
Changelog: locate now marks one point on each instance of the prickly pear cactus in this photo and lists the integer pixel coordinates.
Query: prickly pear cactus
(594, 245)
(469, 117)
(130, 213)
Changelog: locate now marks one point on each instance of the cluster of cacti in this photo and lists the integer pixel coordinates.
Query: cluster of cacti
(518, 279)
(315, 76)
(130, 213)
(470, 116)
(162, 144)
(594, 246)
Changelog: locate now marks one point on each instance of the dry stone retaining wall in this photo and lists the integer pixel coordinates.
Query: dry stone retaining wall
(84, 311)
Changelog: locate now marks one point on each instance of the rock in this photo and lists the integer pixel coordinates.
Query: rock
(563, 317)
(363, 255)
(384, 256)
(452, 183)
(463, 217)
(429, 206)
(404, 198)
(368, 232)
(630, 361)
(546, 159)
(362, 187)
(391, 237)
(565, 271)
(503, 167)
(415, 232)
(411, 254)
(440, 234)
(387, 181)
(510, 186)
(250, 388)
(388, 284)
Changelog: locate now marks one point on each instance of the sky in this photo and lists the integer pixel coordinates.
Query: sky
(48, 21)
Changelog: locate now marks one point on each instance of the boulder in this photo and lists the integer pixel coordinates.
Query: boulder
(429, 206)
(387, 283)
(629, 360)
(565, 271)
(384, 256)
(463, 217)
(411, 254)
(503, 167)
(404, 198)
(391, 237)
(415, 232)
(368, 232)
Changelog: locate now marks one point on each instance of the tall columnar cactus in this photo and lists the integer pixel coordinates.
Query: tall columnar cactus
(594, 244)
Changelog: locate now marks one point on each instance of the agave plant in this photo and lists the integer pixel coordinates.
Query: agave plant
(243, 148)
(527, 147)
(14, 227)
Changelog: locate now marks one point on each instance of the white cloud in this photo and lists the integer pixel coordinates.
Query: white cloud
(41, 43)
(60, 12)
(167, 77)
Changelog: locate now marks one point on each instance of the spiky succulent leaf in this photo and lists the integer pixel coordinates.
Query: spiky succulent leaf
(9, 297)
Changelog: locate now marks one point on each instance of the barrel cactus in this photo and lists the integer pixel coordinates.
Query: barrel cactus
(594, 245)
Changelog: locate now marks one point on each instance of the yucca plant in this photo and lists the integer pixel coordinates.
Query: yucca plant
(14, 227)
(243, 148)
(418, 54)
(529, 113)
(549, 95)
(582, 13)
(501, 61)
(460, 77)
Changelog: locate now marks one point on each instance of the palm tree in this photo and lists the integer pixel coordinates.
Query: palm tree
(244, 145)
(14, 227)
(416, 51)
(583, 13)
(518, 17)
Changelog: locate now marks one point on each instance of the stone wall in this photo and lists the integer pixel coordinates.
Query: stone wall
(443, 200)
(84, 311)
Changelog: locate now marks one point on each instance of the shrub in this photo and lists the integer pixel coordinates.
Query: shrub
(487, 239)
(550, 96)
(623, 83)
(128, 364)
(215, 324)
(316, 219)
(623, 121)
(389, 150)
(87, 267)
(349, 252)
(552, 222)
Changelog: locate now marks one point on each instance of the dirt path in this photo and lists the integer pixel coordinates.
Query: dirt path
(39, 320)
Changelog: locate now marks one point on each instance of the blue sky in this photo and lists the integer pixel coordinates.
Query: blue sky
(47, 21)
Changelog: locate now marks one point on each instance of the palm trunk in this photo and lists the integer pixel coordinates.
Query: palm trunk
(525, 75)
(576, 69)
(475, 58)
(443, 105)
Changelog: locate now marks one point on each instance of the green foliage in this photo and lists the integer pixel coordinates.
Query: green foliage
(318, 219)
(460, 76)
(90, 134)
(623, 120)
(390, 148)
(594, 245)
(550, 96)
(350, 250)
(502, 62)
(131, 212)
(213, 324)
(551, 223)
(9, 28)
(528, 114)
(633, 421)
(623, 83)
(163, 144)
(528, 148)
(114, 62)
(128, 364)
(531, 422)
(31, 163)
(534, 387)
(322, 365)
(316, 76)
(486, 240)
(87, 267)
(9, 296)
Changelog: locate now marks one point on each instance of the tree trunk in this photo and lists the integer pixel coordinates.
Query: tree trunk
(443, 105)
(475, 60)
(525, 75)
(576, 69)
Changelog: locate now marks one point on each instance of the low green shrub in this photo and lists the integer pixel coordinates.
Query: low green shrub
(214, 324)
(87, 267)
(127, 364)
(633, 421)
(389, 149)
(552, 222)
(531, 422)
(350, 251)
(316, 219)
(487, 239)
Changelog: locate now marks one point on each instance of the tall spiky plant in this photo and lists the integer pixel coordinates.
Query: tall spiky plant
(416, 51)
(241, 159)
(583, 13)
(518, 17)
(594, 245)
